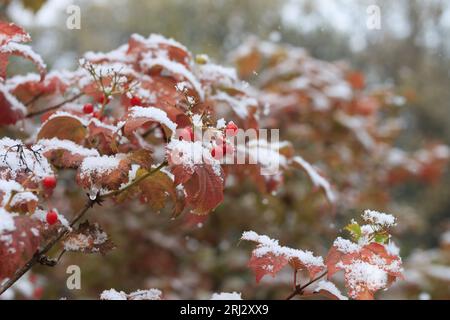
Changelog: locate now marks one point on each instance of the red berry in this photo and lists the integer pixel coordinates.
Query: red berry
(186, 134)
(49, 182)
(52, 217)
(231, 129)
(136, 101)
(88, 108)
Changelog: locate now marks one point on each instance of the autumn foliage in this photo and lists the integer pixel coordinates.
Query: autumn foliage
(128, 123)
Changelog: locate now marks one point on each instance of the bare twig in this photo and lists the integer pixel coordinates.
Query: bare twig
(57, 106)
(39, 256)
(299, 289)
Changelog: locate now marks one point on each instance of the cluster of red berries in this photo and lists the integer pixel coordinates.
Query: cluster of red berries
(222, 148)
(88, 108)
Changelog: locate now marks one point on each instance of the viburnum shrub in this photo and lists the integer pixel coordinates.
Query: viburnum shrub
(149, 121)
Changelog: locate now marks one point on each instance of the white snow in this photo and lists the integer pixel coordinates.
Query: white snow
(346, 246)
(227, 296)
(155, 114)
(100, 165)
(379, 218)
(331, 288)
(13, 47)
(6, 221)
(72, 147)
(267, 245)
(362, 275)
(13, 164)
(112, 294)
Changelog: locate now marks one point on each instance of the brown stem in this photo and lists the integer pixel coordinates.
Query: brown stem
(39, 253)
(57, 106)
(299, 289)
(89, 204)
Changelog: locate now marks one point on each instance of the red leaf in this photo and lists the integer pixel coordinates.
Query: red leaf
(204, 189)
(16, 49)
(11, 32)
(268, 264)
(366, 269)
(11, 110)
(18, 246)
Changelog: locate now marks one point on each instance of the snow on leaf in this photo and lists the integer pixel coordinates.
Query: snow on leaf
(367, 268)
(379, 218)
(139, 116)
(14, 197)
(269, 257)
(329, 289)
(105, 172)
(11, 32)
(65, 153)
(17, 49)
(88, 238)
(150, 294)
(227, 296)
(18, 161)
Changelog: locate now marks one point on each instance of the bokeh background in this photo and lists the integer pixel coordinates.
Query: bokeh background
(411, 53)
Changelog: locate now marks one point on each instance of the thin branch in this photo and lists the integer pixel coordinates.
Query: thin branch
(57, 106)
(299, 289)
(40, 254)
(34, 99)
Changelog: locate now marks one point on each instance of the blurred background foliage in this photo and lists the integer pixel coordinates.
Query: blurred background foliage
(411, 52)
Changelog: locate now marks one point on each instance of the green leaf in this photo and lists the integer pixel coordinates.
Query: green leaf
(381, 237)
(355, 230)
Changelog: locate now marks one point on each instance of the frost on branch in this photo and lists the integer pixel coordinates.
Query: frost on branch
(269, 257)
(112, 294)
